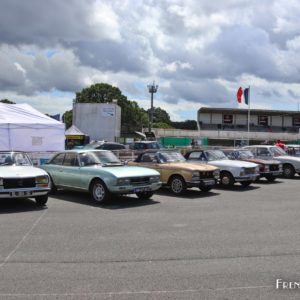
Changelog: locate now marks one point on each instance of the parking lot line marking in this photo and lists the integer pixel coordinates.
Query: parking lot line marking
(23, 239)
(142, 292)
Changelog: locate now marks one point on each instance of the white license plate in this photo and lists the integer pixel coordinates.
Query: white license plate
(21, 194)
(143, 189)
(208, 182)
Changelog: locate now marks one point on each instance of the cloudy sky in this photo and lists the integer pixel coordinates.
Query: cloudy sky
(199, 52)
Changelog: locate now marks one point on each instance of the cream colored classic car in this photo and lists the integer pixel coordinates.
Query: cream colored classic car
(176, 173)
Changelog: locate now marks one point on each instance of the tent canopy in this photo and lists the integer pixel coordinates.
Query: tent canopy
(73, 130)
(24, 128)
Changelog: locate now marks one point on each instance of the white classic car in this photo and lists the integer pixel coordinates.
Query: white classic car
(20, 179)
(231, 170)
(291, 164)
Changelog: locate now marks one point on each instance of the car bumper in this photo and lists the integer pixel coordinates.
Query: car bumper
(130, 189)
(202, 182)
(23, 193)
(273, 173)
(251, 177)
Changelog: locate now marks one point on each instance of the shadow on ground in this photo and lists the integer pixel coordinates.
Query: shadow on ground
(117, 202)
(188, 194)
(19, 205)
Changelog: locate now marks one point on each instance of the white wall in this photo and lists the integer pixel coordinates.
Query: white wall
(217, 119)
(287, 121)
(204, 118)
(101, 121)
(241, 119)
(276, 121)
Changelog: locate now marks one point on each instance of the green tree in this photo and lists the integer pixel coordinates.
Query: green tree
(160, 115)
(188, 124)
(162, 125)
(132, 117)
(68, 115)
(7, 101)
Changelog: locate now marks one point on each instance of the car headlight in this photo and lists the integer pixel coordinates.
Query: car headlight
(267, 168)
(154, 179)
(280, 167)
(123, 181)
(257, 170)
(196, 175)
(216, 173)
(242, 172)
(42, 179)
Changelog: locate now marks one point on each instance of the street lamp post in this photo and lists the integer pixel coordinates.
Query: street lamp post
(152, 90)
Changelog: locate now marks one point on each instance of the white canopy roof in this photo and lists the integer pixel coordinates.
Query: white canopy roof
(24, 128)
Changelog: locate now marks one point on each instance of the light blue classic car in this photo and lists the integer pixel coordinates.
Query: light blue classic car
(100, 173)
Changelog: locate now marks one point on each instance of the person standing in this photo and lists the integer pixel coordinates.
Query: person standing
(279, 144)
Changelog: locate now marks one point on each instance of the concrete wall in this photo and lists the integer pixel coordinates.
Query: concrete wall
(219, 134)
(101, 121)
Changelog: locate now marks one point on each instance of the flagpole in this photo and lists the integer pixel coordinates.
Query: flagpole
(249, 116)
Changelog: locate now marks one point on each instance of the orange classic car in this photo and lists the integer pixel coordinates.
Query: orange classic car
(176, 173)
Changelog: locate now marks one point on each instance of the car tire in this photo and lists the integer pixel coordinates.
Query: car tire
(144, 195)
(288, 171)
(177, 185)
(245, 183)
(271, 178)
(99, 192)
(41, 200)
(205, 189)
(226, 179)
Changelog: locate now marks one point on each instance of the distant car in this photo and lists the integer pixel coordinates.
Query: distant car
(100, 173)
(146, 145)
(293, 150)
(105, 146)
(176, 173)
(269, 169)
(291, 165)
(20, 179)
(231, 170)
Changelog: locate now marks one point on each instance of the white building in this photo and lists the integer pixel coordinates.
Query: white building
(101, 121)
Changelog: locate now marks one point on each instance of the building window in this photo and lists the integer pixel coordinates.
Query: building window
(263, 120)
(227, 119)
(296, 121)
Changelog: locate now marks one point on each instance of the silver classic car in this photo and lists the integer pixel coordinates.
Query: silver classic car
(20, 179)
(100, 173)
(291, 165)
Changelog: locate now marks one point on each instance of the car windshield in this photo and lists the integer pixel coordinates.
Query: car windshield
(277, 151)
(172, 156)
(244, 154)
(14, 158)
(98, 158)
(215, 155)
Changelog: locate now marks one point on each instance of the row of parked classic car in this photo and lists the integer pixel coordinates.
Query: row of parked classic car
(102, 174)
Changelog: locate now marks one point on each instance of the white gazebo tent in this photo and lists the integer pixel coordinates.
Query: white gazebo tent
(23, 128)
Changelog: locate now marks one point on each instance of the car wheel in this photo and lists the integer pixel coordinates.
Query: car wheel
(205, 189)
(227, 179)
(99, 192)
(177, 185)
(144, 195)
(246, 183)
(288, 171)
(41, 200)
(271, 178)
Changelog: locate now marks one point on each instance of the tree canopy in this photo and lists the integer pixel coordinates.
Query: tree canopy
(7, 101)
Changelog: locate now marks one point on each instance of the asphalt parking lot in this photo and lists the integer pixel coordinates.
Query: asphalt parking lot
(226, 244)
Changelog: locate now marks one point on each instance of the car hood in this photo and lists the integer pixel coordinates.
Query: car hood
(288, 158)
(21, 171)
(191, 166)
(262, 161)
(232, 163)
(126, 171)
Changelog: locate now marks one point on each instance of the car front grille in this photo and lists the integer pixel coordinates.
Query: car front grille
(249, 171)
(139, 180)
(274, 167)
(206, 174)
(15, 183)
